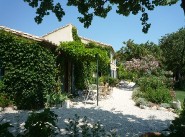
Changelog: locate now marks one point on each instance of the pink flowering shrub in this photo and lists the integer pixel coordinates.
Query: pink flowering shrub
(144, 65)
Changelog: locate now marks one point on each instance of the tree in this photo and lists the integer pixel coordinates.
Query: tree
(173, 48)
(137, 51)
(91, 8)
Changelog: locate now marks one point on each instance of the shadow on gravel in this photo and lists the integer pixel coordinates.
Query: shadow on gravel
(126, 125)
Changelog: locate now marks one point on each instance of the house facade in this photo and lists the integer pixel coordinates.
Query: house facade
(64, 34)
(52, 40)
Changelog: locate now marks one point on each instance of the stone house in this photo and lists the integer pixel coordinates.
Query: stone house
(52, 40)
(64, 34)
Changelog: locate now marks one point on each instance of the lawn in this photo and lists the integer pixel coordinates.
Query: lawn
(180, 95)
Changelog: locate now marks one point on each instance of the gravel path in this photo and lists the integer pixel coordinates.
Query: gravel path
(116, 112)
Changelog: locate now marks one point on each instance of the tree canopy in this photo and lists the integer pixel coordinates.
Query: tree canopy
(137, 51)
(173, 48)
(91, 8)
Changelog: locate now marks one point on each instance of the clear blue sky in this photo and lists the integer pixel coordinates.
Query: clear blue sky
(113, 30)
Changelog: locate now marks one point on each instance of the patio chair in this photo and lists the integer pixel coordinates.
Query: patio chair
(92, 91)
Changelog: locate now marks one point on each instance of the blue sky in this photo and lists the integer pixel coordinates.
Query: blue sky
(113, 30)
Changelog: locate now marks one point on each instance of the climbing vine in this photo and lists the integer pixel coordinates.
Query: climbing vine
(75, 34)
(84, 58)
(29, 70)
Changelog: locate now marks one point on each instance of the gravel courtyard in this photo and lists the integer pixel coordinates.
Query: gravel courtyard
(118, 111)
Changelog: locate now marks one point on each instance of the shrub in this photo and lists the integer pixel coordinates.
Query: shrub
(165, 105)
(1, 86)
(126, 74)
(141, 101)
(55, 98)
(4, 100)
(153, 82)
(159, 95)
(30, 70)
(112, 81)
(155, 89)
(41, 124)
(80, 127)
(137, 94)
(4, 132)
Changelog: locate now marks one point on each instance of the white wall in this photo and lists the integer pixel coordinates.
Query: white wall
(61, 35)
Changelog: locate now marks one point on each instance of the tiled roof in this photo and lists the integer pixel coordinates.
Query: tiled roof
(37, 38)
(97, 42)
(26, 35)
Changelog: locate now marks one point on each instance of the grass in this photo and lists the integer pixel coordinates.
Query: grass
(180, 95)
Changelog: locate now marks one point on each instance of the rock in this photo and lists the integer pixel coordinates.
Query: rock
(143, 107)
(161, 108)
(176, 105)
(154, 107)
(170, 109)
(15, 107)
(1, 109)
(67, 103)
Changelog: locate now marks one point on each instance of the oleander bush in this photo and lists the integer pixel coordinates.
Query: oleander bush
(29, 70)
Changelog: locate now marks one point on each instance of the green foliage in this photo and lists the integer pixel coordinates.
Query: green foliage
(75, 35)
(4, 132)
(177, 128)
(41, 124)
(165, 105)
(137, 51)
(80, 127)
(137, 60)
(30, 70)
(154, 89)
(112, 81)
(4, 100)
(77, 51)
(126, 74)
(180, 95)
(84, 59)
(55, 98)
(88, 9)
(153, 82)
(173, 48)
(1, 86)
(141, 101)
(137, 94)
(180, 85)
(159, 95)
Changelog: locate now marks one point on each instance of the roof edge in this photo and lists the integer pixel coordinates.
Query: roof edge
(98, 42)
(57, 29)
(26, 35)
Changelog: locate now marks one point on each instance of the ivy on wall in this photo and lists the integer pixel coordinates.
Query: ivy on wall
(84, 59)
(75, 34)
(30, 70)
